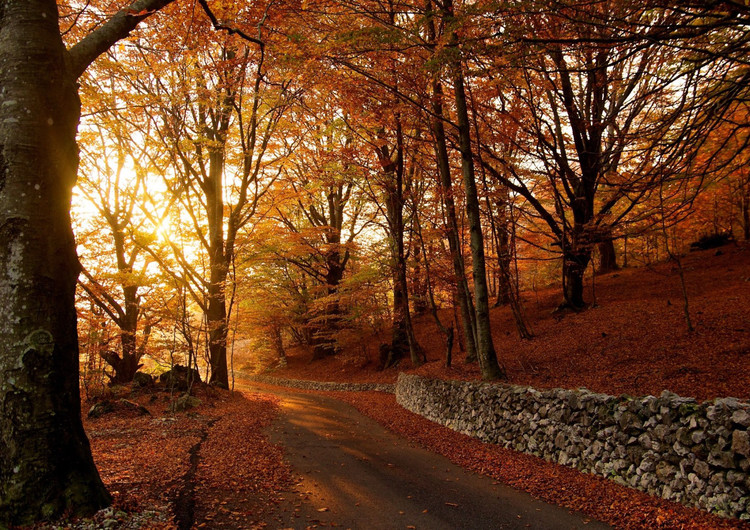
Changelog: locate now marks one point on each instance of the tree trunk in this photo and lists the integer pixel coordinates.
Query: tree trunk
(420, 284)
(485, 348)
(745, 209)
(502, 238)
(46, 467)
(607, 256)
(278, 345)
(218, 331)
(325, 326)
(216, 313)
(465, 304)
(574, 267)
(399, 337)
(126, 366)
(445, 182)
(393, 178)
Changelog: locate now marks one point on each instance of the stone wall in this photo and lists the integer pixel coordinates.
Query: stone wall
(669, 446)
(320, 385)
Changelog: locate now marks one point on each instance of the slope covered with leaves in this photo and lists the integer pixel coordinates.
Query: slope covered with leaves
(634, 340)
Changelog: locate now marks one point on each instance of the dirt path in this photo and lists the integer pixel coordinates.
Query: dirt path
(352, 473)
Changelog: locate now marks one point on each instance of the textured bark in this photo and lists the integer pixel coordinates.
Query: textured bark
(574, 269)
(46, 466)
(220, 249)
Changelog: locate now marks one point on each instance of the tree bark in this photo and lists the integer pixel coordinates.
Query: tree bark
(488, 361)
(403, 331)
(465, 303)
(607, 255)
(46, 467)
(573, 270)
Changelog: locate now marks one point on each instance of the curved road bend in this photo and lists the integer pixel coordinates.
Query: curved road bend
(353, 473)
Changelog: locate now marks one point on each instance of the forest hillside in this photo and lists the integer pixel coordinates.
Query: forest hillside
(634, 340)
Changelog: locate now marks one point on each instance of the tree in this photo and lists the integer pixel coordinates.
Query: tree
(486, 354)
(46, 466)
(395, 180)
(216, 111)
(604, 124)
(116, 288)
(322, 212)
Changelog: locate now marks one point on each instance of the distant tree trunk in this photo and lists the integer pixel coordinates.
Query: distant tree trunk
(420, 283)
(607, 254)
(399, 337)
(577, 244)
(502, 242)
(323, 340)
(131, 354)
(46, 468)
(403, 331)
(278, 345)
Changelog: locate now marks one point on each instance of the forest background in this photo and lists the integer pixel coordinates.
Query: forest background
(323, 171)
(318, 173)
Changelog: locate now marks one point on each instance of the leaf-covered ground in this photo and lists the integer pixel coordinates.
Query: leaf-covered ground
(209, 467)
(213, 466)
(634, 341)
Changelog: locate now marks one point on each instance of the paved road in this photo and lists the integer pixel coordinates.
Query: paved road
(352, 473)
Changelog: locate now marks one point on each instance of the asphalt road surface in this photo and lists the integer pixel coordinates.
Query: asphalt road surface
(352, 473)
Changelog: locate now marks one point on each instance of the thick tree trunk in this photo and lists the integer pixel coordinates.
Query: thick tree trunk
(46, 467)
(216, 312)
(574, 268)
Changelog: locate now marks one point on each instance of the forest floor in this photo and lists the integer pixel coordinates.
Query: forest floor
(211, 466)
(634, 340)
(214, 466)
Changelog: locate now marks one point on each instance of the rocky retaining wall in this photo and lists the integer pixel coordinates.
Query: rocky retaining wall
(320, 385)
(668, 446)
